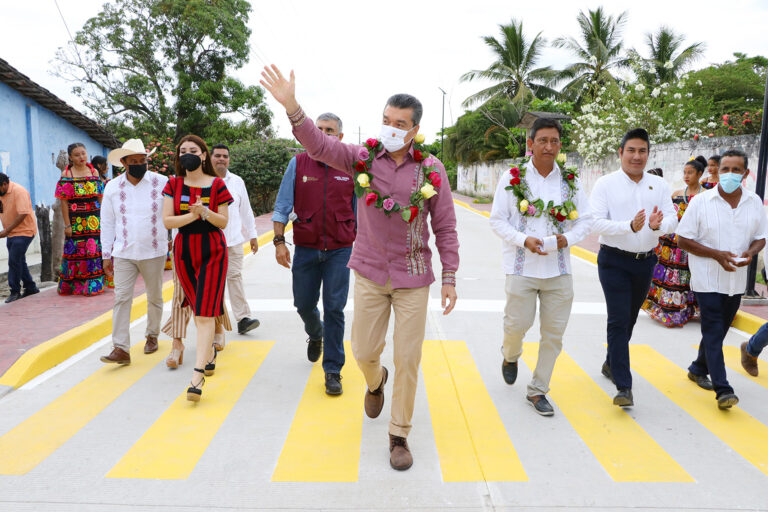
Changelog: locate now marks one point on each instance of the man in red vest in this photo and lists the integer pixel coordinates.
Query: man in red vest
(323, 200)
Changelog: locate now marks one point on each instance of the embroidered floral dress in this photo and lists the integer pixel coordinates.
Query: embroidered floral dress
(670, 299)
(81, 270)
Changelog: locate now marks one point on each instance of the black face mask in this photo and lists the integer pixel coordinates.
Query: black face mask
(137, 170)
(189, 161)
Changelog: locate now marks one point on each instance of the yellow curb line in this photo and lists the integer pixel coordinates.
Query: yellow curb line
(744, 321)
(58, 349)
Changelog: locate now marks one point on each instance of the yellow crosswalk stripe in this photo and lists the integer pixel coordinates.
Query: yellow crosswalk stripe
(624, 449)
(733, 361)
(736, 428)
(471, 440)
(37, 437)
(173, 445)
(323, 443)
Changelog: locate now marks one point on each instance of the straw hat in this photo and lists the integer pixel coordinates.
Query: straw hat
(130, 147)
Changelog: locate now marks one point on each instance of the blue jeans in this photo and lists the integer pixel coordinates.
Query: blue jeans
(758, 341)
(625, 283)
(311, 268)
(717, 313)
(18, 272)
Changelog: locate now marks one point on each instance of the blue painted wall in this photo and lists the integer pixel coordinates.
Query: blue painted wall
(31, 137)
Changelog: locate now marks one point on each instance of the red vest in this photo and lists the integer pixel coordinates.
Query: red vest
(322, 201)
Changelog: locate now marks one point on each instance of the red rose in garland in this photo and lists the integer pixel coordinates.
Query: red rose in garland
(414, 213)
(435, 178)
(570, 177)
(560, 217)
(515, 171)
(418, 155)
(514, 181)
(360, 166)
(370, 198)
(372, 143)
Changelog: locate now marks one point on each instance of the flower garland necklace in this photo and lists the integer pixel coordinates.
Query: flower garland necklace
(529, 207)
(364, 181)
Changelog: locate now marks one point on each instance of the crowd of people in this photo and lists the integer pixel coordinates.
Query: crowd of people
(678, 255)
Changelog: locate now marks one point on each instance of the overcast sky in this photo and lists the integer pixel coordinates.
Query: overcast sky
(349, 56)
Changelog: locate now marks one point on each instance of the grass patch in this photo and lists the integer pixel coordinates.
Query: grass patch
(483, 200)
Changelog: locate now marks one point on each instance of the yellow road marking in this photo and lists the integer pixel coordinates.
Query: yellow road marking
(740, 431)
(471, 440)
(173, 445)
(37, 437)
(624, 449)
(733, 361)
(323, 443)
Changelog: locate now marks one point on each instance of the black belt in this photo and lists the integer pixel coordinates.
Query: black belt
(633, 255)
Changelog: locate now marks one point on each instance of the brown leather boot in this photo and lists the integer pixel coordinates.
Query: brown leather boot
(400, 457)
(747, 361)
(150, 347)
(374, 400)
(118, 356)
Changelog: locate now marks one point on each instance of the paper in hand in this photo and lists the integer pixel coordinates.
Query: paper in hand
(550, 243)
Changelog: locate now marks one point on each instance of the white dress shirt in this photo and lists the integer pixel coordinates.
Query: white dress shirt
(615, 201)
(710, 221)
(132, 218)
(513, 227)
(241, 226)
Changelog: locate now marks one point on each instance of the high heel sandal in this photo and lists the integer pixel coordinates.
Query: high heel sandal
(194, 393)
(218, 341)
(211, 366)
(175, 358)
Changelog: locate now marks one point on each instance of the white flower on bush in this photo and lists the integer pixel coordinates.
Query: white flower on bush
(655, 92)
(677, 96)
(668, 64)
(711, 124)
(698, 82)
(639, 87)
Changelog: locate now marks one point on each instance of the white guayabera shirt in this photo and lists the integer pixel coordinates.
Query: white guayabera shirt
(710, 221)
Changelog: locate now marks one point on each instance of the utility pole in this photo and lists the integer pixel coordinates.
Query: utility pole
(358, 135)
(442, 125)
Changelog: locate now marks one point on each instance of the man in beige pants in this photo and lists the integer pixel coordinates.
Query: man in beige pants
(538, 211)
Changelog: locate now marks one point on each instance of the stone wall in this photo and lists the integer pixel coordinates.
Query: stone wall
(480, 179)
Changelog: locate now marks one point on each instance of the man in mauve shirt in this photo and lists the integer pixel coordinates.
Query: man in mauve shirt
(391, 257)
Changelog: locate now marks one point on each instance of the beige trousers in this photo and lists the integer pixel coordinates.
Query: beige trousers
(555, 296)
(235, 283)
(373, 304)
(126, 272)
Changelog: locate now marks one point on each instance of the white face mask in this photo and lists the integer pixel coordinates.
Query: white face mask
(392, 138)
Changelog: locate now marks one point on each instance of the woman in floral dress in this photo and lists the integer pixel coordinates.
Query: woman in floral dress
(670, 300)
(80, 189)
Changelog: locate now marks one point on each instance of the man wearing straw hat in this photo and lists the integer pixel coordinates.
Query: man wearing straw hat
(132, 233)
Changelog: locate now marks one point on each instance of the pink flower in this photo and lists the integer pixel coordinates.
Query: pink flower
(435, 178)
(372, 143)
(515, 172)
(428, 162)
(388, 204)
(91, 246)
(531, 210)
(370, 198)
(363, 154)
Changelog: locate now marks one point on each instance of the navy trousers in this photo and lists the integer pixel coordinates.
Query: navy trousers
(625, 283)
(717, 313)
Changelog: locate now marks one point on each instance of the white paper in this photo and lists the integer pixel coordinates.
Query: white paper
(739, 260)
(550, 243)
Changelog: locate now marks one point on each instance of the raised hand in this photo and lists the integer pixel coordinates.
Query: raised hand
(654, 221)
(638, 221)
(282, 89)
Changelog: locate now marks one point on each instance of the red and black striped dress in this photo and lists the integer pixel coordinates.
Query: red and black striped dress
(199, 249)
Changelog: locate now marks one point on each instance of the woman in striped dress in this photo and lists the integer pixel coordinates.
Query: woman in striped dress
(196, 203)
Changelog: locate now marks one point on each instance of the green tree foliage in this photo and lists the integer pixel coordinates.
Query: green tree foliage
(666, 60)
(163, 67)
(600, 53)
(486, 133)
(261, 164)
(517, 79)
(561, 107)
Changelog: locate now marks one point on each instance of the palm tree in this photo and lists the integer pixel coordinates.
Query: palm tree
(600, 51)
(667, 61)
(513, 70)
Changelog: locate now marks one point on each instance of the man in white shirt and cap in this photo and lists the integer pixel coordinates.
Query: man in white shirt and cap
(539, 210)
(241, 227)
(630, 210)
(722, 230)
(132, 232)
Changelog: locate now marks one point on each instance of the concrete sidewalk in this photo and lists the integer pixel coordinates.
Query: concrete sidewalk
(85, 436)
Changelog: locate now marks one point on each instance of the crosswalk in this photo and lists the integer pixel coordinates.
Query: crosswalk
(323, 443)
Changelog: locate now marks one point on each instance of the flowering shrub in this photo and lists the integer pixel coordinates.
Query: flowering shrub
(162, 160)
(737, 124)
(660, 109)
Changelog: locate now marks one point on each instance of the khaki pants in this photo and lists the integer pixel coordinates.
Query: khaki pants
(126, 272)
(176, 326)
(373, 304)
(555, 296)
(235, 283)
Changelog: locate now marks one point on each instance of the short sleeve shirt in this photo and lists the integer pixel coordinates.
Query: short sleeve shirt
(17, 202)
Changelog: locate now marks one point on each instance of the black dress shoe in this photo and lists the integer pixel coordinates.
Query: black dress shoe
(701, 380)
(541, 405)
(12, 297)
(333, 384)
(727, 400)
(624, 398)
(247, 324)
(314, 349)
(509, 371)
(606, 371)
(28, 292)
